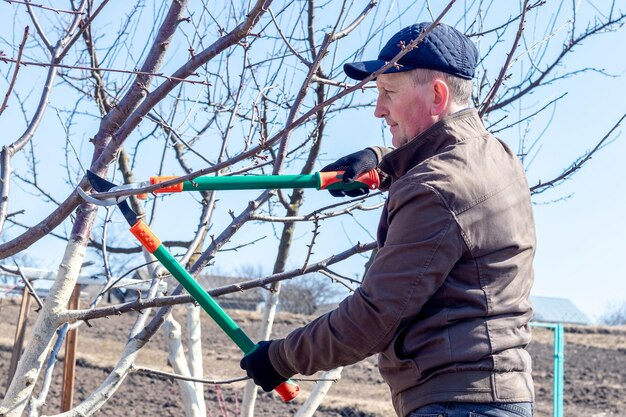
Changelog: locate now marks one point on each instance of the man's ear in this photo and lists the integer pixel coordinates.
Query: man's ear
(441, 98)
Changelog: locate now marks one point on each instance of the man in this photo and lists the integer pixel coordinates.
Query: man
(445, 302)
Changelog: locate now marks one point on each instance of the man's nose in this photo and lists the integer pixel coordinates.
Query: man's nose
(380, 110)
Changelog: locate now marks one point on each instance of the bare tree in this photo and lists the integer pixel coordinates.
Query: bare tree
(307, 294)
(220, 89)
(614, 316)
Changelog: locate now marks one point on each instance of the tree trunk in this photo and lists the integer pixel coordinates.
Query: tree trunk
(177, 360)
(34, 356)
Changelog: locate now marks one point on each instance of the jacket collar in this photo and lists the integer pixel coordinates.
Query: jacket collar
(452, 129)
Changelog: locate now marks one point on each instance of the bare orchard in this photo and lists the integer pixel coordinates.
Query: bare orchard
(595, 372)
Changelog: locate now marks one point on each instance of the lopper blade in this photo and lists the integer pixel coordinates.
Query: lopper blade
(98, 183)
(101, 185)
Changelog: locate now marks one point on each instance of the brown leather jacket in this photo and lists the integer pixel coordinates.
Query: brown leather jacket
(446, 300)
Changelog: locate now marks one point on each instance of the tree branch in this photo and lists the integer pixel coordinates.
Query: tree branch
(17, 69)
(505, 68)
(543, 186)
(115, 310)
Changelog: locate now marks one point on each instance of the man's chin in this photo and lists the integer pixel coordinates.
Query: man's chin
(397, 142)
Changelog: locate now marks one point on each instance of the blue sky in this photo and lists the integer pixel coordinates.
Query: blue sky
(580, 224)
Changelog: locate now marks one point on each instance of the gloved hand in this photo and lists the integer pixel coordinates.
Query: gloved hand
(258, 367)
(354, 165)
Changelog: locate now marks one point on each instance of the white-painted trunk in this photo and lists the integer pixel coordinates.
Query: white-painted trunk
(110, 384)
(176, 358)
(196, 362)
(319, 392)
(33, 359)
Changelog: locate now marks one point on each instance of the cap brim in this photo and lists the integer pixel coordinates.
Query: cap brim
(361, 70)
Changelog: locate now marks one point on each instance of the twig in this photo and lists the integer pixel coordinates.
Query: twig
(84, 25)
(317, 215)
(291, 48)
(243, 245)
(507, 64)
(163, 124)
(340, 84)
(316, 227)
(315, 379)
(80, 67)
(338, 277)
(505, 24)
(42, 34)
(335, 280)
(544, 73)
(17, 69)
(144, 370)
(527, 117)
(41, 6)
(31, 289)
(36, 402)
(73, 315)
(236, 104)
(346, 31)
(542, 186)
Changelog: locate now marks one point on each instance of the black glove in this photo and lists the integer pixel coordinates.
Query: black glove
(354, 165)
(258, 367)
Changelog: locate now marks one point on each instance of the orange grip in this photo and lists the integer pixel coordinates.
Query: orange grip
(145, 236)
(287, 391)
(368, 178)
(175, 188)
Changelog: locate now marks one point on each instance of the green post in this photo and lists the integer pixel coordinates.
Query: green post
(558, 381)
(559, 369)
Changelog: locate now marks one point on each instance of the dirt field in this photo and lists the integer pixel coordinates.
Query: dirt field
(595, 372)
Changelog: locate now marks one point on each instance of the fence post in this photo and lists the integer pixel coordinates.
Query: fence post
(20, 332)
(69, 364)
(559, 369)
(558, 381)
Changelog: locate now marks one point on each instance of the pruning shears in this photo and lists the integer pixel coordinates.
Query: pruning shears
(288, 390)
(331, 180)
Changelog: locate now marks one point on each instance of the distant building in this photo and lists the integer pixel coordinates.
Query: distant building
(557, 310)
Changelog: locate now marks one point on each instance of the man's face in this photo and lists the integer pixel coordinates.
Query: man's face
(405, 106)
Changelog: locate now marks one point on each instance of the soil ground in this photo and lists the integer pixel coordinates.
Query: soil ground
(595, 371)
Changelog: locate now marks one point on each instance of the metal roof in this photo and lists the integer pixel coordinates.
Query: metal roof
(557, 310)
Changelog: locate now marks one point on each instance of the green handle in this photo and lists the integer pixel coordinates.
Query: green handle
(287, 390)
(251, 182)
(332, 180)
(204, 299)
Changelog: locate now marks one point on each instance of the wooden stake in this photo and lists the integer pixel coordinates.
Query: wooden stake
(20, 331)
(69, 367)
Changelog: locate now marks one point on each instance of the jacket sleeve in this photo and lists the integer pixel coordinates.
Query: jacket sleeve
(423, 243)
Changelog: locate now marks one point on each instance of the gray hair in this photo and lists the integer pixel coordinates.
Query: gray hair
(460, 88)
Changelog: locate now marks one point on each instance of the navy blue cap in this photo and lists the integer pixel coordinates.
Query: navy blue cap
(443, 49)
